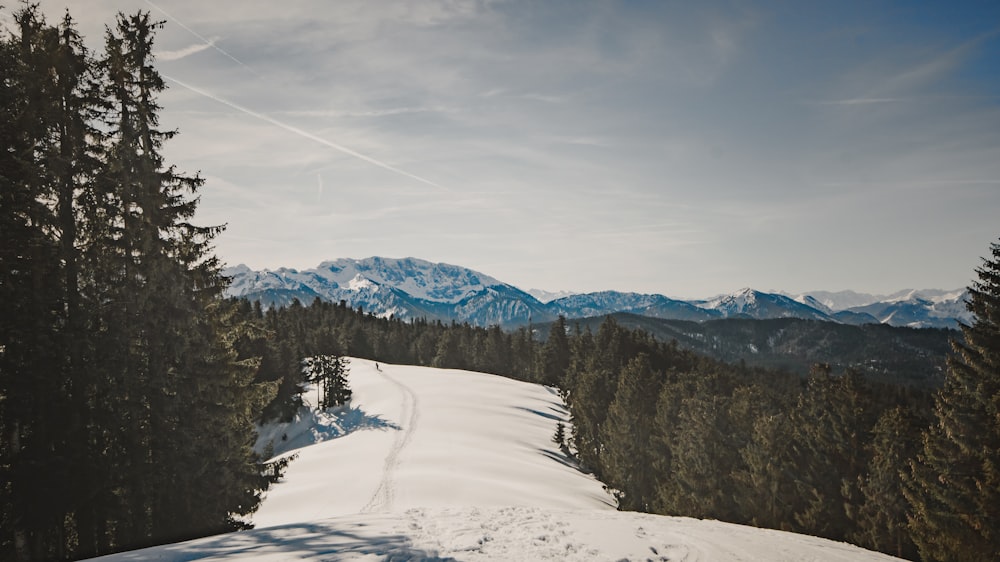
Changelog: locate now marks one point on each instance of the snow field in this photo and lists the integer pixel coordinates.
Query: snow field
(432, 464)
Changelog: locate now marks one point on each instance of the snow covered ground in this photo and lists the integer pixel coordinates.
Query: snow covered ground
(432, 464)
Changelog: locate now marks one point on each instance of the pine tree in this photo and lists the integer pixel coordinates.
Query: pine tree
(449, 350)
(831, 426)
(329, 374)
(589, 399)
(45, 133)
(768, 490)
(702, 457)
(165, 343)
(555, 354)
(217, 477)
(626, 460)
(28, 263)
(560, 437)
(881, 515)
(126, 412)
(338, 391)
(954, 481)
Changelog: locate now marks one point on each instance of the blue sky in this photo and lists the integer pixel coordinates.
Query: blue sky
(682, 148)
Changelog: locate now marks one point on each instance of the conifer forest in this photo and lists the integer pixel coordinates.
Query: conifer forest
(130, 388)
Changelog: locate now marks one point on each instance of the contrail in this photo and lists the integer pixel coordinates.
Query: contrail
(202, 39)
(305, 134)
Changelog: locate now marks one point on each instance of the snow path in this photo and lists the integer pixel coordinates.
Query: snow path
(436, 464)
(386, 491)
(426, 438)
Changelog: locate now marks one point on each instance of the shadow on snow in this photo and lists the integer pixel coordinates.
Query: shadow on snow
(323, 540)
(310, 427)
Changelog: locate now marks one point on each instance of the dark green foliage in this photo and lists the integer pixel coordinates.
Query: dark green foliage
(735, 443)
(626, 461)
(882, 353)
(126, 411)
(555, 355)
(831, 421)
(954, 482)
(767, 473)
(560, 437)
(881, 513)
(329, 374)
(699, 448)
(590, 396)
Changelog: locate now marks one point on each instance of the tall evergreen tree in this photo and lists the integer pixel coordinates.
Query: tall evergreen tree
(881, 513)
(702, 456)
(126, 411)
(626, 460)
(555, 354)
(954, 481)
(329, 374)
(48, 102)
(769, 463)
(179, 362)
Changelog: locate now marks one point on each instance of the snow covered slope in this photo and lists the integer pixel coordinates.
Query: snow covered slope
(430, 464)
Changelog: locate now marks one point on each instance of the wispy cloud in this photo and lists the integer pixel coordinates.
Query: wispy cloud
(209, 43)
(582, 141)
(859, 101)
(915, 78)
(387, 112)
(305, 134)
(185, 52)
(544, 98)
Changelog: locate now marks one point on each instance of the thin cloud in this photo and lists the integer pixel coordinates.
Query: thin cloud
(388, 112)
(931, 70)
(860, 101)
(305, 134)
(185, 52)
(544, 98)
(582, 141)
(208, 43)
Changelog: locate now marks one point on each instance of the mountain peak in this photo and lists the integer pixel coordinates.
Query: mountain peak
(361, 283)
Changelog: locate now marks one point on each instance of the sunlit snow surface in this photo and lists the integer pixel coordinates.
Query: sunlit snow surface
(431, 464)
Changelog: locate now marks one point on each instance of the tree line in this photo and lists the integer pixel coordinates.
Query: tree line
(126, 411)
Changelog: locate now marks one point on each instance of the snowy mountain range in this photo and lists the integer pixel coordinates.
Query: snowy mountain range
(413, 288)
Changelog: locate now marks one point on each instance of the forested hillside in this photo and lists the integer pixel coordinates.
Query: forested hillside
(913, 356)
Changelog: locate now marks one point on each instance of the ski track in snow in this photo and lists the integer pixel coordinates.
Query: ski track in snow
(383, 497)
